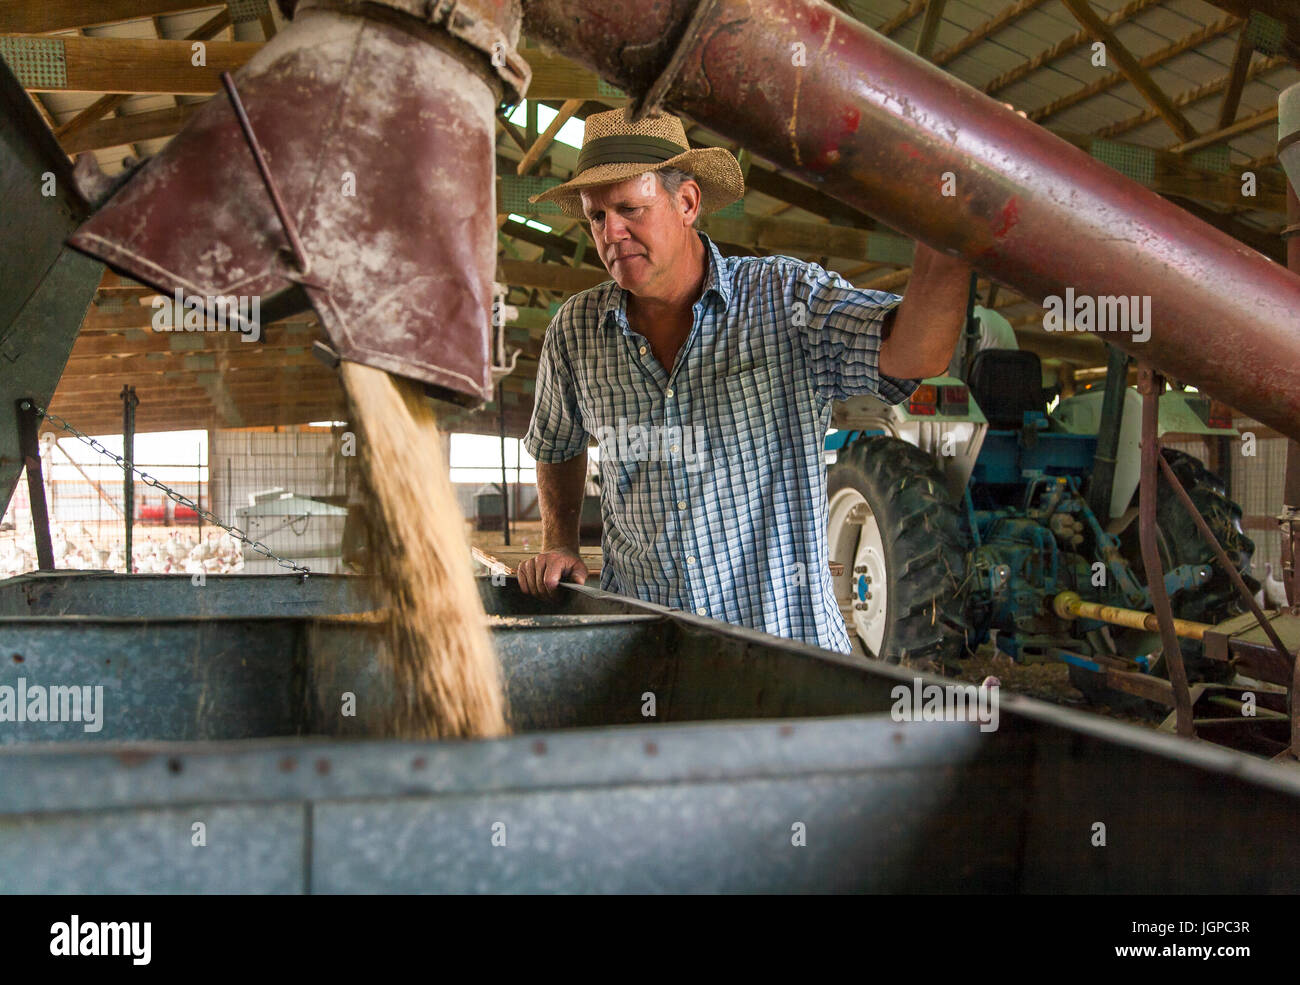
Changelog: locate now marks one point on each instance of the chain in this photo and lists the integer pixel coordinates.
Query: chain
(172, 494)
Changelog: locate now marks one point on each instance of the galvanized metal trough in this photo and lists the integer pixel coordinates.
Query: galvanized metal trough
(237, 751)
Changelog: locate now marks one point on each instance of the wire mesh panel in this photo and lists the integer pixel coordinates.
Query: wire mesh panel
(1257, 484)
(286, 489)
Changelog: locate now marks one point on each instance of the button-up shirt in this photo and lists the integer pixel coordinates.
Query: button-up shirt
(713, 487)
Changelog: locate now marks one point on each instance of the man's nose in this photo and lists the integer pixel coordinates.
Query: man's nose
(615, 228)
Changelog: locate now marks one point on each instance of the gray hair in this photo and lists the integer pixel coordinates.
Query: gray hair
(671, 180)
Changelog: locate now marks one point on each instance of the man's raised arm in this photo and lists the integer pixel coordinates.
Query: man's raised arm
(930, 318)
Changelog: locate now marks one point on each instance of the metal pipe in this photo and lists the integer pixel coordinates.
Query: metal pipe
(264, 169)
(129, 403)
(872, 124)
(1150, 385)
(1070, 606)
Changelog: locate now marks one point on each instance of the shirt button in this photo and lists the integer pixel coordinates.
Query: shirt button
(642, 350)
(701, 611)
(673, 449)
(681, 504)
(690, 559)
(670, 391)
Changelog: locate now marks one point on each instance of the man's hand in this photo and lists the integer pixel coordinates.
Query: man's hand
(541, 575)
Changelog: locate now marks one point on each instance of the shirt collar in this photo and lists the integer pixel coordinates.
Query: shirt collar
(717, 279)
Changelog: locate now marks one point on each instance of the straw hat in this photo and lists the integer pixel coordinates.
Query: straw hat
(614, 150)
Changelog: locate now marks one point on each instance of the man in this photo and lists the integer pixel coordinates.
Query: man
(708, 382)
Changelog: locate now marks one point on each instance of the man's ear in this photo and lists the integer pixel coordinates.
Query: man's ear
(689, 199)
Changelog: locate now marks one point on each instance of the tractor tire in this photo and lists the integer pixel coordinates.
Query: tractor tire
(891, 519)
(1181, 543)
(1218, 598)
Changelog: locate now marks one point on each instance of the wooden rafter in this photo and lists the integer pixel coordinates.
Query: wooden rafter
(892, 25)
(1189, 96)
(44, 16)
(929, 33)
(1260, 119)
(1241, 58)
(539, 146)
(985, 30)
(136, 65)
(107, 104)
(118, 130)
(1131, 67)
(1194, 40)
(1063, 47)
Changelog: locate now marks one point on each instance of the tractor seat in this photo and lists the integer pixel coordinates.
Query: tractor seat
(1006, 383)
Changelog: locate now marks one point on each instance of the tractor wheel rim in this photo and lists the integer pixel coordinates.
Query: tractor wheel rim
(855, 538)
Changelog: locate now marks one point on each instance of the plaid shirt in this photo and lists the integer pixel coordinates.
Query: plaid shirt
(713, 487)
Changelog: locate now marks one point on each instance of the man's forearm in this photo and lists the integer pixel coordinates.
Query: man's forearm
(560, 488)
(930, 319)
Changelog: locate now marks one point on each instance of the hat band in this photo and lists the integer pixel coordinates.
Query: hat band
(632, 148)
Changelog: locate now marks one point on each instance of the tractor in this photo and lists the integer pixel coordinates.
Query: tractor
(962, 514)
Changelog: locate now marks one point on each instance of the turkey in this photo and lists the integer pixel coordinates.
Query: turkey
(1272, 593)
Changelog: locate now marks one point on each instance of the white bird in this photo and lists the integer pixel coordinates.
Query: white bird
(1272, 593)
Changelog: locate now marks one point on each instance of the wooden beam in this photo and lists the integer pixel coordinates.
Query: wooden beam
(1189, 96)
(1078, 348)
(1194, 40)
(788, 236)
(1131, 68)
(132, 314)
(896, 22)
(107, 104)
(44, 16)
(1241, 57)
(772, 183)
(136, 65)
(1063, 47)
(137, 341)
(1174, 174)
(1227, 133)
(890, 281)
(557, 77)
(551, 276)
(129, 129)
(930, 28)
(984, 30)
(540, 145)
(152, 363)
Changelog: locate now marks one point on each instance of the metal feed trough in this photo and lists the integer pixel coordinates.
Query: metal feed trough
(769, 765)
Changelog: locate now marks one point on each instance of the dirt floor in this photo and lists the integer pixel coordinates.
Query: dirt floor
(1046, 681)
